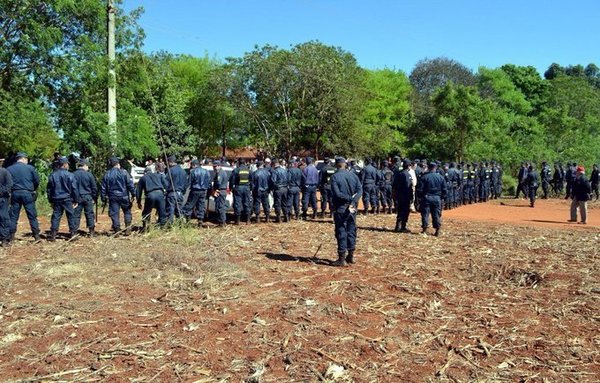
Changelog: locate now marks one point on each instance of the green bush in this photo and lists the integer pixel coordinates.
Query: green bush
(509, 184)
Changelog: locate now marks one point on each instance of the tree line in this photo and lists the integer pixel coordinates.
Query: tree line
(310, 98)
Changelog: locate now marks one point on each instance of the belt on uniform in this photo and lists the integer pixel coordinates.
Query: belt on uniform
(153, 190)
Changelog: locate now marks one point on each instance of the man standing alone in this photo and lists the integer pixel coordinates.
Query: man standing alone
(580, 193)
(346, 192)
(432, 190)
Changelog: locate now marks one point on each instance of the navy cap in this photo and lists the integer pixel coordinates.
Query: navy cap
(340, 160)
(62, 160)
(259, 163)
(406, 163)
(432, 165)
(385, 163)
(84, 161)
(113, 161)
(195, 162)
(216, 163)
(172, 159)
(22, 155)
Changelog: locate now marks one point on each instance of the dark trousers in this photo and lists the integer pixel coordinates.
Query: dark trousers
(386, 195)
(522, 187)
(468, 193)
(221, 206)
(596, 190)
(568, 190)
(156, 201)
(242, 204)
(309, 196)
(484, 191)
(369, 196)
(4, 219)
(174, 205)
(280, 201)
(532, 189)
(196, 201)
(58, 208)
(326, 199)
(115, 205)
(294, 200)
(402, 212)
(86, 204)
(345, 230)
(261, 197)
(545, 188)
(431, 204)
(22, 198)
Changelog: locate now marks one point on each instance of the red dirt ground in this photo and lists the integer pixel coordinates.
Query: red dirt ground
(488, 301)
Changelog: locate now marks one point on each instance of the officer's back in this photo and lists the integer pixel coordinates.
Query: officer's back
(25, 177)
(433, 184)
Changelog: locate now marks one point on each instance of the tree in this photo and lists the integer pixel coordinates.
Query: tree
(430, 74)
(387, 112)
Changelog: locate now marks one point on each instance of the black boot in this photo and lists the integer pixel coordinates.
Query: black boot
(438, 232)
(238, 219)
(350, 257)
(314, 215)
(6, 243)
(52, 236)
(127, 228)
(92, 232)
(341, 261)
(366, 211)
(73, 235)
(36, 237)
(248, 219)
(397, 228)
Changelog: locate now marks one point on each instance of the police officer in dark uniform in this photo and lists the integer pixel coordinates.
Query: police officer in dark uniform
(279, 185)
(522, 181)
(325, 186)
(88, 194)
(403, 195)
(346, 192)
(220, 193)
(6, 184)
(117, 188)
(295, 183)
(153, 186)
(432, 191)
(63, 194)
(369, 180)
(570, 175)
(494, 180)
(24, 194)
(595, 181)
(310, 182)
(546, 178)
(260, 191)
(176, 186)
(558, 178)
(239, 183)
(386, 178)
(467, 184)
(532, 184)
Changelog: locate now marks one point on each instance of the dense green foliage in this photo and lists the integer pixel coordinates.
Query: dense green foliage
(310, 98)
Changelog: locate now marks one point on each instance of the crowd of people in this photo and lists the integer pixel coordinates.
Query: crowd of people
(177, 191)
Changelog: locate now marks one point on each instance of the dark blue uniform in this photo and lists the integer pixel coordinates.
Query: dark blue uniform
(220, 195)
(532, 185)
(386, 178)
(239, 182)
(6, 185)
(346, 192)
(595, 182)
(295, 183)
(176, 185)
(199, 184)
(522, 182)
(279, 185)
(310, 181)
(325, 185)
(25, 183)
(260, 192)
(88, 194)
(153, 186)
(432, 190)
(546, 176)
(403, 195)
(117, 187)
(62, 192)
(369, 179)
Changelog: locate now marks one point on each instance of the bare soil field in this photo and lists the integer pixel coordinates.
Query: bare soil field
(508, 293)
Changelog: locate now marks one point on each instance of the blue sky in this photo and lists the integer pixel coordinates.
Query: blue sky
(383, 33)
